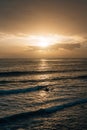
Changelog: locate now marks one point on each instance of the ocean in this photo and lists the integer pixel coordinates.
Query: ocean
(43, 94)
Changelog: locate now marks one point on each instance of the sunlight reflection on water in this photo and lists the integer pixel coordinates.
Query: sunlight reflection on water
(43, 94)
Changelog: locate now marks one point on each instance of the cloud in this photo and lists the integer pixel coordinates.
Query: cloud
(30, 42)
(66, 46)
(25, 45)
(55, 47)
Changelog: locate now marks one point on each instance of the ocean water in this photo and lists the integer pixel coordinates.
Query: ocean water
(43, 94)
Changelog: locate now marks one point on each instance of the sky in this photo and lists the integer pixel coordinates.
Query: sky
(26, 24)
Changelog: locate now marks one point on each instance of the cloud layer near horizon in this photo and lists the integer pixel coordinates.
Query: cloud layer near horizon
(23, 45)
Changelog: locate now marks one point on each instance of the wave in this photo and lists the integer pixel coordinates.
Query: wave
(41, 112)
(19, 73)
(17, 91)
(81, 77)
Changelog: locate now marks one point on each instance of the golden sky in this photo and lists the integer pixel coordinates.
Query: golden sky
(43, 28)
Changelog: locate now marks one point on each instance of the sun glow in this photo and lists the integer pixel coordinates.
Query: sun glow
(44, 42)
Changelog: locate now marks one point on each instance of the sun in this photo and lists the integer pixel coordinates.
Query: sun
(43, 42)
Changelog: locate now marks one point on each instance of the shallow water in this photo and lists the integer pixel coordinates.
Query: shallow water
(43, 94)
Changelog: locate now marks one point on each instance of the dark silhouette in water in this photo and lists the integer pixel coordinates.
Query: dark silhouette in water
(46, 89)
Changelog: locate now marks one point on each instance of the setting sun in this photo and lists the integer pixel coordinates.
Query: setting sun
(43, 42)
